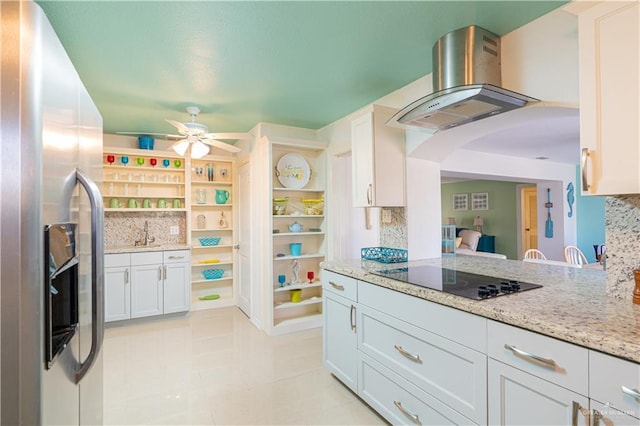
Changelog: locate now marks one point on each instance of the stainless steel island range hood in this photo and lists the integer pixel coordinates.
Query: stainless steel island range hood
(466, 80)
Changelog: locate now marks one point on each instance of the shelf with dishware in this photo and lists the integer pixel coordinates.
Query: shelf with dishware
(212, 236)
(298, 240)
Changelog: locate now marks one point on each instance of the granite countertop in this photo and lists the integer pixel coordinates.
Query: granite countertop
(572, 306)
(137, 249)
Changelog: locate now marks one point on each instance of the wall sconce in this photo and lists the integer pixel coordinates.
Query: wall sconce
(451, 221)
(478, 222)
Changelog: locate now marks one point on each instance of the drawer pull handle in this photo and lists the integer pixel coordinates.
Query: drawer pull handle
(176, 257)
(631, 392)
(414, 417)
(578, 409)
(336, 286)
(583, 163)
(352, 318)
(549, 363)
(412, 357)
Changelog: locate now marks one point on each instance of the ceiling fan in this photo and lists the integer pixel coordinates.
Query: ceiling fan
(194, 137)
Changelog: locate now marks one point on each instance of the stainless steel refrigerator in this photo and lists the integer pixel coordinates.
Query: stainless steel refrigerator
(51, 224)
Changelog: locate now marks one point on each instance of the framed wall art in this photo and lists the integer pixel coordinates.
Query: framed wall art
(480, 201)
(460, 202)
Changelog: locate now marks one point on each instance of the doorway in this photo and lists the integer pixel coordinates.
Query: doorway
(244, 238)
(529, 218)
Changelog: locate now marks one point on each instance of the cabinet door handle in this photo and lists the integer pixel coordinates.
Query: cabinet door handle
(352, 318)
(336, 286)
(164, 272)
(159, 273)
(126, 276)
(369, 193)
(576, 408)
(412, 357)
(596, 417)
(631, 392)
(549, 363)
(414, 417)
(583, 167)
(176, 257)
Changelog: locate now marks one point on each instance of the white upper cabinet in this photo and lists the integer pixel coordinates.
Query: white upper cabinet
(378, 155)
(609, 97)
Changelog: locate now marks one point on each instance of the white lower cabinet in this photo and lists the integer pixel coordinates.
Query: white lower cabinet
(399, 401)
(519, 398)
(146, 284)
(117, 293)
(339, 332)
(614, 389)
(418, 362)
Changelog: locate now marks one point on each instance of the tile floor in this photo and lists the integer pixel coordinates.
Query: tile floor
(215, 367)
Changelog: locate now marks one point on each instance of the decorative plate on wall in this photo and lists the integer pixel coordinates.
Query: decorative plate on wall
(293, 171)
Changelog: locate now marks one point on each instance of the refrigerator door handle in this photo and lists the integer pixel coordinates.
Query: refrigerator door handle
(97, 272)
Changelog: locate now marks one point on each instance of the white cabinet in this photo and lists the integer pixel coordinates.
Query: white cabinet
(535, 379)
(117, 294)
(378, 160)
(339, 332)
(606, 415)
(609, 91)
(519, 398)
(144, 284)
(615, 384)
(452, 373)
(211, 197)
(176, 270)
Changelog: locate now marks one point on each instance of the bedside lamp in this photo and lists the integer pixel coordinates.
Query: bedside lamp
(478, 222)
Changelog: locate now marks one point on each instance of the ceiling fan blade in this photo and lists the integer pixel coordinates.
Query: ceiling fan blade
(164, 135)
(178, 125)
(228, 136)
(221, 145)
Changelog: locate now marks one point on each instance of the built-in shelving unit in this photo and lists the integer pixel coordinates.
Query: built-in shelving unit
(211, 196)
(132, 183)
(288, 315)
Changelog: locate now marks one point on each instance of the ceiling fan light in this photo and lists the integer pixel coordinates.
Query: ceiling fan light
(199, 150)
(181, 147)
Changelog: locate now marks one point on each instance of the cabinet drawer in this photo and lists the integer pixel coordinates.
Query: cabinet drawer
(452, 373)
(461, 327)
(607, 376)
(146, 258)
(117, 259)
(339, 284)
(609, 416)
(571, 369)
(176, 256)
(399, 401)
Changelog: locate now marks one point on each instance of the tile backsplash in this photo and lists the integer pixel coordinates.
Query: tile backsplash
(124, 228)
(622, 229)
(394, 234)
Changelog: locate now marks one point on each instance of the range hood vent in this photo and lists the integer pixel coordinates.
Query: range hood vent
(466, 80)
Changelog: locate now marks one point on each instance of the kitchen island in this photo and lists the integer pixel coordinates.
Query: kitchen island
(549, 355)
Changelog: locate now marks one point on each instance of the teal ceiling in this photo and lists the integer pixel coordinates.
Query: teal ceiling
(298, 63)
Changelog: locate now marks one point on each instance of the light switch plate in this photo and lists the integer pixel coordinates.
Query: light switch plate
(174, 230)
(386, 216)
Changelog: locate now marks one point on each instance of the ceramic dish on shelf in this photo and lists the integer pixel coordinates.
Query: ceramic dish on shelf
(293, 171)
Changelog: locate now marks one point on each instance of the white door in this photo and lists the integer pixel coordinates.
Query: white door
(117, 295)
(244, 233)
(340, 340)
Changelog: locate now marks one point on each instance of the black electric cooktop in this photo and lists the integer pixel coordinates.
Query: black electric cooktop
(465, 284)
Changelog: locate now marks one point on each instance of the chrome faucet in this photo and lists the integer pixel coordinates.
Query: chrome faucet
(146, 240)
